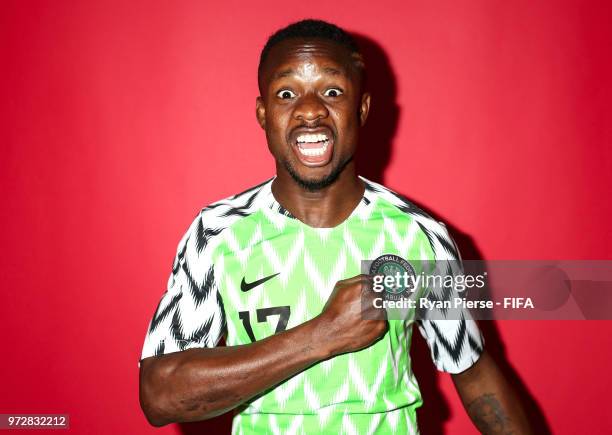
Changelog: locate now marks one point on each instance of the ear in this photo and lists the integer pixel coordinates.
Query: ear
(260, 112)
(364, 108)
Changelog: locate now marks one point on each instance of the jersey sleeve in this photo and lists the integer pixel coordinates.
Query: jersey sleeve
(455, 343)
(190, 313)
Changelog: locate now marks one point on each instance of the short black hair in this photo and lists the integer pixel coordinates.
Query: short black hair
(311, 28)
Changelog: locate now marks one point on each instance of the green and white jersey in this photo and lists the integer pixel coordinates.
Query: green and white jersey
(247, 269)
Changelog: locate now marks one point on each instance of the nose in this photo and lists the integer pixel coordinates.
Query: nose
(310, 108)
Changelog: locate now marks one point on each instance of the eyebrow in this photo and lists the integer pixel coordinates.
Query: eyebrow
(289, 72)
(283, 73)
(334, 71)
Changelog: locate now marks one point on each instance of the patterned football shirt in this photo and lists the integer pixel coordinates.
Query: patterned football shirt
(250, 237)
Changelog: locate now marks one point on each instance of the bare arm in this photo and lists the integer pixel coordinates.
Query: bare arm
(201, 383)
(197, 384)
(489, 399)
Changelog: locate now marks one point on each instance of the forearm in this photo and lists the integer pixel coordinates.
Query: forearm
(202, 383)
(490, 400)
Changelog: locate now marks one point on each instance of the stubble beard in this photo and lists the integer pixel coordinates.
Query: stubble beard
(317, 184)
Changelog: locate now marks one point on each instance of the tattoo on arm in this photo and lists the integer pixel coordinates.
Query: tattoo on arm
(489, 416)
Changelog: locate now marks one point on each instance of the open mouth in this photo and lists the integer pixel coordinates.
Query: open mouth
(312, 144)
(314, 148)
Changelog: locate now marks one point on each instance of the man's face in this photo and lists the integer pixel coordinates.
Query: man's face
(311, 107)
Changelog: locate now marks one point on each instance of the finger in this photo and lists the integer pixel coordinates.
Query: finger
(359, 278)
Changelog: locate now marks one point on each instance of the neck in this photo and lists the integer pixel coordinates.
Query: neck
(324, 208)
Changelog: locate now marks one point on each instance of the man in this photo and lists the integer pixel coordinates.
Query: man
(276, 271)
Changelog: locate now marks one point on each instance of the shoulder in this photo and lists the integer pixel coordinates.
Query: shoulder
(214, 218)
(236, 206)
(435, 230)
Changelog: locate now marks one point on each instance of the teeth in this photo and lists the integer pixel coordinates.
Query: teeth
(311, 152)
(320, 137)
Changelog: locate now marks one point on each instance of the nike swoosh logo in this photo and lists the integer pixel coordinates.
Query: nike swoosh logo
(246, 286)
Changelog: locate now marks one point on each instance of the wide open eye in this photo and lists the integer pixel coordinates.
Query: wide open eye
(333, 92)
(285, 94)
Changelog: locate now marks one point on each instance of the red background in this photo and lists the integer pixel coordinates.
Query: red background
(121, 119)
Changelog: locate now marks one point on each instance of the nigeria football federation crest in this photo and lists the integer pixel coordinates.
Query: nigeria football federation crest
(394, 276)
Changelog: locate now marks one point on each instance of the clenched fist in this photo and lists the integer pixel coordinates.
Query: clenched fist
(349, 321)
